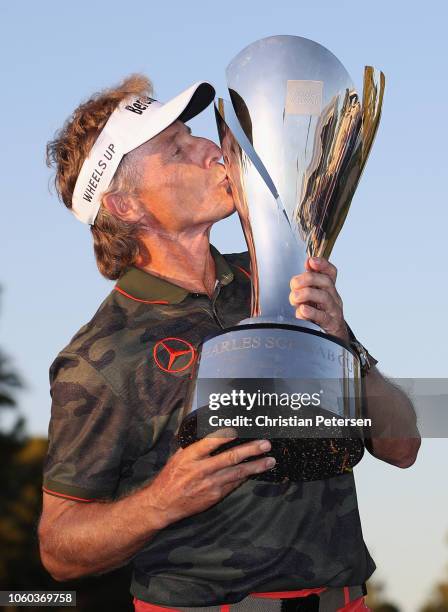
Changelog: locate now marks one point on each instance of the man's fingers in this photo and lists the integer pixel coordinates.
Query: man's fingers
(242, 471)
(314, 279)
(309, 313)
(319, 264)
(211, 442)
(236, 454)
(311, 279)
(314, 296)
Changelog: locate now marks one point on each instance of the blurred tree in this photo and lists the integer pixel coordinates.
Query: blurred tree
(439, 600)
(10, 382)
(375, 599)
(21, 459)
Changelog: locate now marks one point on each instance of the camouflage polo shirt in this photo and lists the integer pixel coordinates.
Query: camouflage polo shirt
(118, 390)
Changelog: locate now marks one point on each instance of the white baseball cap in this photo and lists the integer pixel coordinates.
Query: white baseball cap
(135, 121)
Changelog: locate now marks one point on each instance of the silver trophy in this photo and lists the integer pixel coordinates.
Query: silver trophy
(295, 139)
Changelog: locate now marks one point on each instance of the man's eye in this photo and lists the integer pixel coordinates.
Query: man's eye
(176, 152)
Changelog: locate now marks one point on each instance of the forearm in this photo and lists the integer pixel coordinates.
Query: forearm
(393, 435)
(96, 537)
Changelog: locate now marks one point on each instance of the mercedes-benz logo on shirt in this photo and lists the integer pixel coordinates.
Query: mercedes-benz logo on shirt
(173, 354)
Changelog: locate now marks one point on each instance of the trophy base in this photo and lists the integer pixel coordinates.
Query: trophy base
(278, 355)
(302, 459)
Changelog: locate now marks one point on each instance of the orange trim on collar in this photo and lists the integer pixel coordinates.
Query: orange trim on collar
(243, 271)
(57, 494)
(138, 299)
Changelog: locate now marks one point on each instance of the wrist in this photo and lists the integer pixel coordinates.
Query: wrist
(344, 335)
(366, 360)
(363, 355)
(157, 509)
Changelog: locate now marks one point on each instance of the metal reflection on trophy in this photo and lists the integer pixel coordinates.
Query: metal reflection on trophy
(295, 137)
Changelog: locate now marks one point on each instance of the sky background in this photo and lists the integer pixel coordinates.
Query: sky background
(391, 254)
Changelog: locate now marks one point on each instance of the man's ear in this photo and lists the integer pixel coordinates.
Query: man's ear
(123, 206)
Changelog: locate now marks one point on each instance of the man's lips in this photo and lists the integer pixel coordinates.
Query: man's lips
(222, 170)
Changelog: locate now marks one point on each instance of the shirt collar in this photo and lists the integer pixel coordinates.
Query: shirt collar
(141, 285)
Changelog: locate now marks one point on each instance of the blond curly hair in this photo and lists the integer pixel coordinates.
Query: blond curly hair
(115, 242)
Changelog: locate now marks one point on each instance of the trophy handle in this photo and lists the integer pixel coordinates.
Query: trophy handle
(372, 102)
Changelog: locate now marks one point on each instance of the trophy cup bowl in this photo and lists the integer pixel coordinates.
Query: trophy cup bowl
(295, 139)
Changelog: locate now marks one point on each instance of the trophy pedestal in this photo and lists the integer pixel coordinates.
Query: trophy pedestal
(269, 361)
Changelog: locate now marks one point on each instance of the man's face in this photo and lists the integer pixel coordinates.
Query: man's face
(183, 185)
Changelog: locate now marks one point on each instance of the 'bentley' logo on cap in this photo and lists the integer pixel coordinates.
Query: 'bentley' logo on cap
(173, 354)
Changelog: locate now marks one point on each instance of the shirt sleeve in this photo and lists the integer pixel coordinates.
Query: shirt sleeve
(87, 432)
(372, 359)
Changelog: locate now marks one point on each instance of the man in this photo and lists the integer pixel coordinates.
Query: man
(199, 531)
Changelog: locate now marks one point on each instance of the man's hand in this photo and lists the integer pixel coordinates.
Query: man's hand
(78, 539)
(192, 480)
(314, 295)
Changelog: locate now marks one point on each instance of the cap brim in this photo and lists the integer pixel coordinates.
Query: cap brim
(202, 96)
(183, 107)
(189, 103)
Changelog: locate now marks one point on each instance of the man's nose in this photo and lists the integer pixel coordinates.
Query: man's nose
(212, 154)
